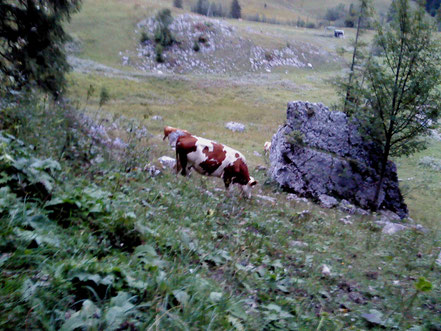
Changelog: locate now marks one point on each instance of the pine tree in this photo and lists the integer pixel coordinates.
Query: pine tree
(235, 9)
(32, 41)
(398, 96)
(177, 3)
(365, 12)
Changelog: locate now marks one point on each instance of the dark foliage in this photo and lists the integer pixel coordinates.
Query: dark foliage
(236, 9)
(206, 8)
(432, 6)
(177, 3)
(32, 43)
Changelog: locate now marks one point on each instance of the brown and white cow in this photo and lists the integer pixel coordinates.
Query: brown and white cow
(213, 159)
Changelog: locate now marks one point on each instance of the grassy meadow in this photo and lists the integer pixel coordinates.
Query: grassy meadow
(90, 241)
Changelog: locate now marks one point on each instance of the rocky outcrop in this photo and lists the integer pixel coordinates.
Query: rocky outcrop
(319, 154)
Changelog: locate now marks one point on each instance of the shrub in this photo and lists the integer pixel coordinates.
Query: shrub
(235, 9)
(338, 12)
(159, 49)
(163, 35)
(310, 25)
(144, 37)
(196, 46)
(177, 3)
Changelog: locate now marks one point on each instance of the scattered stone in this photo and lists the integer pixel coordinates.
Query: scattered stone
(387, 215)
(347, 207)
(296, 243)
(309, 65)
(392, 228)
(321, 152)
(167, 162)
(327, 201)
(152, 170)
(256, 153)
(261, 168)
(266, 198)
(438, 260)
(157, 118)
(235, 126)
(346, 220)
(325, 270)
(304, 213)
(296, 198)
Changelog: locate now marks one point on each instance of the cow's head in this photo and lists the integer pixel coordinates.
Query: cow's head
(167, 131)
(246, 189)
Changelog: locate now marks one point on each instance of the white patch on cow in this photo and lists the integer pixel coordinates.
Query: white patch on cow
(196, 158)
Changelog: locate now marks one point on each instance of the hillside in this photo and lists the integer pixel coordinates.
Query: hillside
(96, 234)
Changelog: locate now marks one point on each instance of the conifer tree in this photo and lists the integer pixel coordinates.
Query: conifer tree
(236, 9)
(32, 41)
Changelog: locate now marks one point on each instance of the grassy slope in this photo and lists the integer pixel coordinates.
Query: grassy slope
(173, 253)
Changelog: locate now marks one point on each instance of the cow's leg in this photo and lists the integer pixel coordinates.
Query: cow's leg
(227, 182)
(183, 161)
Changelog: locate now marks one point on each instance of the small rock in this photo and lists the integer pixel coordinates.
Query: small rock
(266, 198)
(347, 207)
(261, 168)
(256, 153)
(167, 162)
(152, 170)
(392, 228)
(438, 260)
(327, 201)
(346, 220)
(309, 65)
(235, 126)
(303, 213)
(295, 197)
(296, 243)
(157, 118)
(325, 270)
(387, 215)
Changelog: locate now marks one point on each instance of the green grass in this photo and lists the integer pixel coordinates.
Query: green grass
(112, 248)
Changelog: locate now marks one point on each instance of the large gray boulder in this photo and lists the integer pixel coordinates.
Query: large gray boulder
(320, 153)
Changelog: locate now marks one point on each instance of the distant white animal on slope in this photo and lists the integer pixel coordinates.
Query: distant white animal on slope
(267, 146)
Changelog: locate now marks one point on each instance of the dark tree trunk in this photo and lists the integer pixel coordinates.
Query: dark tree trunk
(385, 158)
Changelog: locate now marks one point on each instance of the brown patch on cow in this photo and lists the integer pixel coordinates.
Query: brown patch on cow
(214, 158)
(237, 173)
(184, 146)
(236, 155)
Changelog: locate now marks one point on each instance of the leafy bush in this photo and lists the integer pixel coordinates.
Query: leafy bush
(336, 13)
(310, 25)
(158, 50)
(144, 37)
(163, 35)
